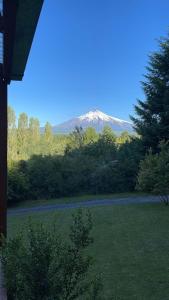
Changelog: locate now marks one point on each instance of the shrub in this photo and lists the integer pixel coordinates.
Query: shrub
(153, 176)
(42, 266)
(18, 185)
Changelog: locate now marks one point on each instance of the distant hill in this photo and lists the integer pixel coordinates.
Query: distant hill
(95, 119)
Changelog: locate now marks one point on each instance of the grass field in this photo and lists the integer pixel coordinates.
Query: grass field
(131, 247)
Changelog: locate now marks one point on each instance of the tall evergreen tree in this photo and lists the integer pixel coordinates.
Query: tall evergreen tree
(152, 123)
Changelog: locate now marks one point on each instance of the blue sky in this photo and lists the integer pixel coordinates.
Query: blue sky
(89, 54)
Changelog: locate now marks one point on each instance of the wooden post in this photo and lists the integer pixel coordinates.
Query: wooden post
(3, 155)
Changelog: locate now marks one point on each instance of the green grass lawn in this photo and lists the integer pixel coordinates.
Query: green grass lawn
(75, 199)
(131, 247)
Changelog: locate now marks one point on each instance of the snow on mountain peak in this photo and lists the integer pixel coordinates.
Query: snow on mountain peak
(94, 115)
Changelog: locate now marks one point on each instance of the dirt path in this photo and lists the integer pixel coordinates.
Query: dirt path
(89, 203)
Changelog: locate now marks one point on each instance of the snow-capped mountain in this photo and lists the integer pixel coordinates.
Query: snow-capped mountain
(95, 119)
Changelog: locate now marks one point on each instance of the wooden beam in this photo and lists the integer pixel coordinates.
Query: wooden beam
(9, 25)
(3, 154)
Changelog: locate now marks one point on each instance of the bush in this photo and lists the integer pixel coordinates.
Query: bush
(153, 176)
(45, 176)
(18, 185)
(41, 266)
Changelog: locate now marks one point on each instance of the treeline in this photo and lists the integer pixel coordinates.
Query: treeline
(90, 163)
(25, 138)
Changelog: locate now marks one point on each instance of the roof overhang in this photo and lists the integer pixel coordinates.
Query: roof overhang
(20, 21)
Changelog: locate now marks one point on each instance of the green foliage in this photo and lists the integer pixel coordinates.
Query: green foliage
(106, 144)
(123, 138)
(90, 135)
(76, 139)
(97, 167)
(48, 136)
(34, 135)
(153, 113)
(45, 176)
(22, 136)
(26, 139)
(12, 135)
(104, 178)
(129, 156)
(80, 230)
(39, 265)
(153, 176)
(18, 184)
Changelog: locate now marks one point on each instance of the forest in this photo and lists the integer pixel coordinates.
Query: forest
(45, 166)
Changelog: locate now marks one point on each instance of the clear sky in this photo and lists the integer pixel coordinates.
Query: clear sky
(89, 54)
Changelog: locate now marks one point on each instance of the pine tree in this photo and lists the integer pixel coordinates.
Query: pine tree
(152, 123)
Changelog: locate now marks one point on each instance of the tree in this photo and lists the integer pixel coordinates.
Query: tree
(106, 147)
(47, 139)
(23, 136)
(34, 129)
(48, 132)
(128, 156)
(153, 175)
(11, 118)
(152, 123)
(48, 135)
(90, 135)
(76, 139)
(108, 135)
(34, 135)
(123, 138)
(12, 135)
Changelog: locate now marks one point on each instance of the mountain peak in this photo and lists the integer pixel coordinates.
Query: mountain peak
(96, 119)
(94, 115)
